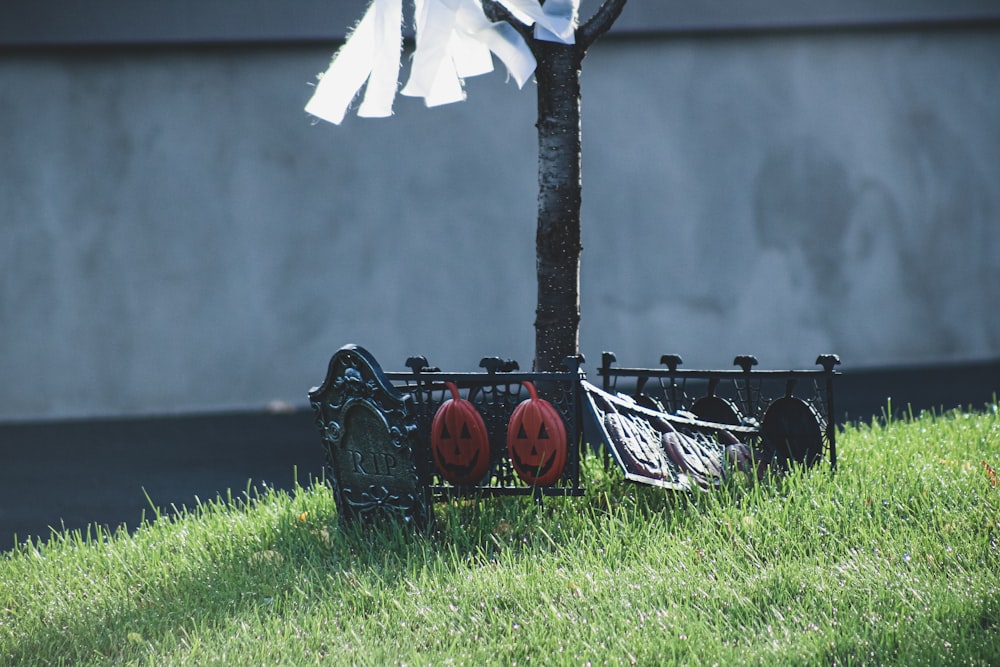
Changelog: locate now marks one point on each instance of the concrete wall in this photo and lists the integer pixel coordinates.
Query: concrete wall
(176, 235)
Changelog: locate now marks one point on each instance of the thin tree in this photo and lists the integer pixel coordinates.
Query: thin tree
(557, 46)
(557, 238)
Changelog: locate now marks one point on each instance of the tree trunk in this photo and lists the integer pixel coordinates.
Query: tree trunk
(557, 242)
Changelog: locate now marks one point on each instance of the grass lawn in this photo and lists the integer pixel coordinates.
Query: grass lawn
(893, 560)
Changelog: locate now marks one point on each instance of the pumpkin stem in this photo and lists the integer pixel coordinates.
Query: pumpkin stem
(454, 391)
(532, 392)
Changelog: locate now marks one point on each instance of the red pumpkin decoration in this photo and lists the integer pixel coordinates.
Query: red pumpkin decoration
(459, 442)
(536, 440)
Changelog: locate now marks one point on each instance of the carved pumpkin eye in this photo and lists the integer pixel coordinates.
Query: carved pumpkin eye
(536, 440)
(464, 459)
(465, 434)
(543, 432)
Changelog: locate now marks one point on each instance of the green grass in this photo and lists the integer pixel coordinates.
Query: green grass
(893, 560)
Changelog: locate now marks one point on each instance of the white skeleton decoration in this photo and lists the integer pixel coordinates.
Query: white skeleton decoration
(454, 40)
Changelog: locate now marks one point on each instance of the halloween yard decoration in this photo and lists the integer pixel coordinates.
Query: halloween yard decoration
(459, 441)
(384, 434)
(536, 440)
(395, 442)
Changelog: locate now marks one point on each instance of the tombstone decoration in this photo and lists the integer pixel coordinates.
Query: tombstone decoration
(367, 429)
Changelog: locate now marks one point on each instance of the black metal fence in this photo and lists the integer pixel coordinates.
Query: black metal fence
(495, 394)
(392, 439)
(792, 409)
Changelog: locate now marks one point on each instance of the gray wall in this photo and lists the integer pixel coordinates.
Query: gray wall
(177, 235)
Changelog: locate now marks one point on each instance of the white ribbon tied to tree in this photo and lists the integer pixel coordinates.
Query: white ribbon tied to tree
(454, 40)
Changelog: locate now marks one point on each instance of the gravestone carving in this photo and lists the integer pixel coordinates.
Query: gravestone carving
(368, 430)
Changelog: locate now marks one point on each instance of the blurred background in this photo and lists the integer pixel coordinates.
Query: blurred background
(183, 247)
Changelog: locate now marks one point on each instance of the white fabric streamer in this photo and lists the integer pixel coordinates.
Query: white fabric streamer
(388, 45)
(370, 54)
(434, 74)
(348, 71)
(555, 22)
(455, 40)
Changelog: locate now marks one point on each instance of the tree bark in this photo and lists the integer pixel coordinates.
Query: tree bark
(557, 240)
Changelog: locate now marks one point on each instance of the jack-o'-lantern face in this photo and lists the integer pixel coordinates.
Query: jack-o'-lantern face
(459, 442)
(536, 440)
